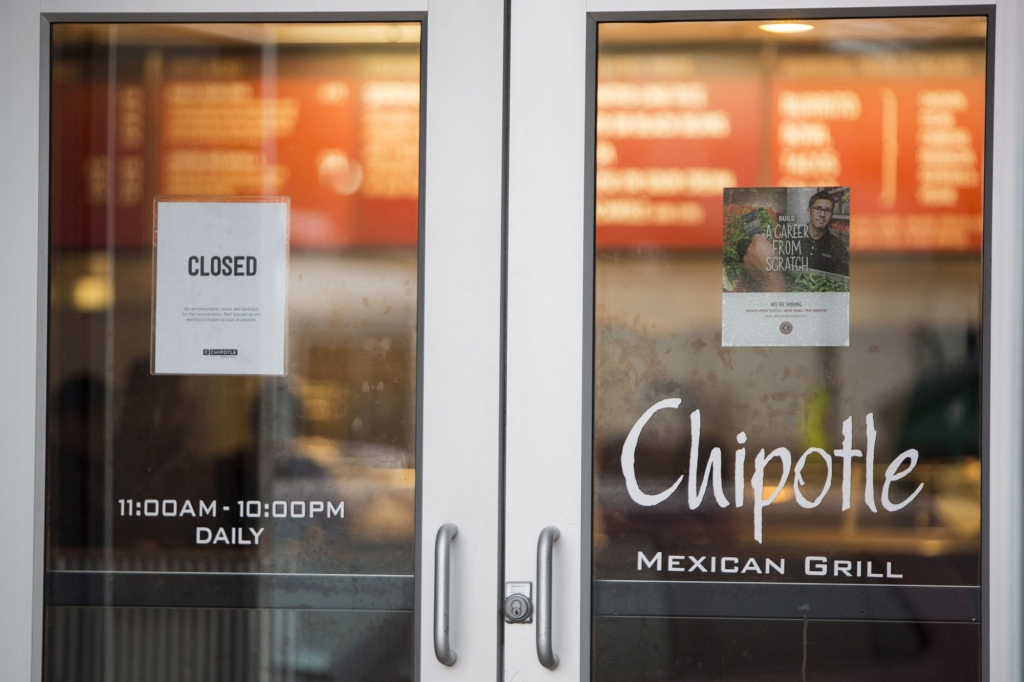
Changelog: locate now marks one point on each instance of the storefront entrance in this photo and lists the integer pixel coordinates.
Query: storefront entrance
(573, 341)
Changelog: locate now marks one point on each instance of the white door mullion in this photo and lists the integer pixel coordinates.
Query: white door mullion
(462, 330)
(545, 320)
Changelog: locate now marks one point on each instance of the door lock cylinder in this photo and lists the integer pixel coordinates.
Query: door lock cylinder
(518, 602)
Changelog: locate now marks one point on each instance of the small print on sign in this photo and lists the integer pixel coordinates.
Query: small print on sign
(786, 266)
(220, 285)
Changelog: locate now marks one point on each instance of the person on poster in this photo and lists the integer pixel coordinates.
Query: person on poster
(826, 252)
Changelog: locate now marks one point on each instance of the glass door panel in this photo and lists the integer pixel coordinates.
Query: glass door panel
(220, 524)
(788, 288)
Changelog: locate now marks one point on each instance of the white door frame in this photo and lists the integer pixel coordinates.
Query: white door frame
(460, 280)
(550, 328)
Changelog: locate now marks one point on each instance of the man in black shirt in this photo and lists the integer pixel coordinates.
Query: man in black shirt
(825, 251)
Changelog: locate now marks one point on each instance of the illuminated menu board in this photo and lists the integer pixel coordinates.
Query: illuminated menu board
(98, 181)
(668, 140)
(905, 133)
(338, 134)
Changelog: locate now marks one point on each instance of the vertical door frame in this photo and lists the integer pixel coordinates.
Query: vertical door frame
(461, 356)
(551, 206)
(544, 384)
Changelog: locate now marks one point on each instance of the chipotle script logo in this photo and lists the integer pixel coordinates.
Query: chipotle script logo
(785, 327)
(765, 492)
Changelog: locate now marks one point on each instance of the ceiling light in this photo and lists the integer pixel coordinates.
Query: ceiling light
(786, 27)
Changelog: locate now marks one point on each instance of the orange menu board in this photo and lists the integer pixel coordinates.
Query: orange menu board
(908, 140)
(338, 134)
(88, 175)
(668, 141)
(905, 133)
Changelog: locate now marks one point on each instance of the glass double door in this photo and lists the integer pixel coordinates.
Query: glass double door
(683, 337)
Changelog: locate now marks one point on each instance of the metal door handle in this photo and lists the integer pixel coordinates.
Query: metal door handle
(547, 657)
(442, 566)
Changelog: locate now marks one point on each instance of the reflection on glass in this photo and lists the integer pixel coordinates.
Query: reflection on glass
(894, 110)
(314, 471)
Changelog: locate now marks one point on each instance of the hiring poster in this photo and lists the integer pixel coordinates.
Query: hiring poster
(220, 285)
(786, 266)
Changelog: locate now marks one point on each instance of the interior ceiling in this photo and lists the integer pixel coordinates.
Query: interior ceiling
(873, 29)
(239, 34)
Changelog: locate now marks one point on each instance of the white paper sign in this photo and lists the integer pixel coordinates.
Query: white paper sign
(220, 286)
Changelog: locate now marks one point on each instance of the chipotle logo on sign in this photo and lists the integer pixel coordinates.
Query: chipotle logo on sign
(792, 472)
